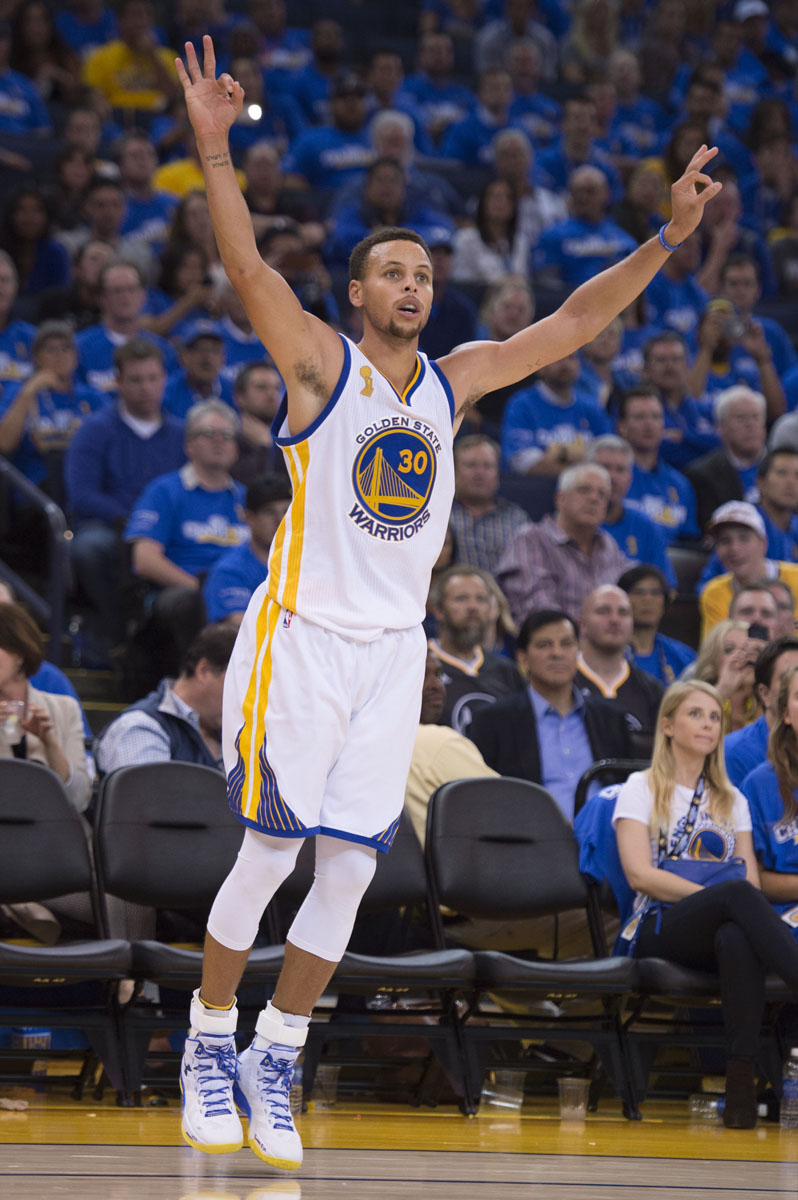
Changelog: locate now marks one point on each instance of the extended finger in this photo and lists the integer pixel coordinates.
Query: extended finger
(182, 74)
(702, 156)
(710, 191)
(210, 57)
(193, 63)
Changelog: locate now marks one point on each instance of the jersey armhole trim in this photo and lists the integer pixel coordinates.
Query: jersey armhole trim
(282, 412)
(447, 387)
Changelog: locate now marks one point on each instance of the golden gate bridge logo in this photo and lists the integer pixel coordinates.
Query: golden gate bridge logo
(393, 475)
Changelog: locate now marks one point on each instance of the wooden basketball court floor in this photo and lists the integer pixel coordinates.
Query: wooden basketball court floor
(59, 1147)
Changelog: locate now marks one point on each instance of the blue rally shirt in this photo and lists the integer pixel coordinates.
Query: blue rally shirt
(15, 344)
(534, 420)
(58, 415)
(667, 497)
(746, 749)
(642, 540)
(96, 346)
(193, 525)
(667, 660)
(580, 250)
(232, 580)
(775, 839)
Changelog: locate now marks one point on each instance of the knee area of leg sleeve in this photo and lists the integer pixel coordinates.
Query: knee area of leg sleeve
(343, 869)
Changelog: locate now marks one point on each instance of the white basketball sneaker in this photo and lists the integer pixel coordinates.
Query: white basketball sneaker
(263, 1087)
(207, 1075)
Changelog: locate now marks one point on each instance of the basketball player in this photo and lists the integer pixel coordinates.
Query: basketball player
(322, 693)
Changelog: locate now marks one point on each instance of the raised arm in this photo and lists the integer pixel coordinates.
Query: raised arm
(308, 354)
(480, 367)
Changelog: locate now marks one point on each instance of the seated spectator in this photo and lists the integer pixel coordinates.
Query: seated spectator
(600, 378)
(537, 114)
(49, 677)
(312, 85)
(755, 604)
(40, 260)
(114, 454)
(538, 207)
(270, 202)
(604, 669)
(770, 792)
(473, 678)
(385, 79)
(233, 578)
(495, 41)
(723, 233)
(549, 732)
(740, 541)
(15, 336)
(77, 302)
(549, 426)
(747, 748)
(184, 520)
(649, 593)
(200, 375)
(148, 213)
(741, 283)
(508, 307)
(675, 298)
(39, 418)
(689, 423)
(391, 136)
(303, 270)
(257, 392)
(496, 245)
(453, 315)
(264, 115)
(102, 216)
(692, 924)
(573, 251)
(784, 248)
(638, 118)
(22, 109)
(382, 202)
(470, 141)
(483, 521)
(659, 491)
(283, 47)
(730, 472)
(122, 297)
(733, 352)
(181, 175)
(181, 721)
(640, 538)
(85, 129)
(559, 561)
(726, 659)
(785, 610)
(576, 147)
(242, 345)
(134, 72)
(591, 41)
(442, 100)
(50, 727)
(440, 753)
(330, 155)
(184, 294)
(39, 52)
(640, 212)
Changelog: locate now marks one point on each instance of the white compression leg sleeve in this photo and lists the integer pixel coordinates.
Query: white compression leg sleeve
(263, 863)
(323, 925)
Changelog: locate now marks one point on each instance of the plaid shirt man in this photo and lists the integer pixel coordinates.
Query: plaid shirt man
(543, 567)
(481, 541)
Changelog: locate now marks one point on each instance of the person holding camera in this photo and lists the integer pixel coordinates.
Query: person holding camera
(741, 542)
(733, 349)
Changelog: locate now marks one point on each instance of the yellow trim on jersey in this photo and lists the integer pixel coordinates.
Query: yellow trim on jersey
(254, 707)
(472, 668)
(608, 690)
(412, 382)
(276, 555)
(294, 560)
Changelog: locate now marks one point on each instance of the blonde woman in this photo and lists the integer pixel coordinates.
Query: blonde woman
(726, 660)
(684, 808)
(771, 790)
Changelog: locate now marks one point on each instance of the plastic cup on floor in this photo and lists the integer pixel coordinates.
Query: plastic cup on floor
(573, 1098)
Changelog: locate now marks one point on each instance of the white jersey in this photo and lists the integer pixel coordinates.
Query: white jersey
(373, 482)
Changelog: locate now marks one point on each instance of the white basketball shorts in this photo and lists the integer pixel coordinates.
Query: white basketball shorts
(318, 730)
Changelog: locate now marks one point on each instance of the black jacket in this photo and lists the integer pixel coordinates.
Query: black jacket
(506, 734)
(715, 480)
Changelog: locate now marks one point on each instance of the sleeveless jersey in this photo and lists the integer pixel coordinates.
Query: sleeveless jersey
(373, 483)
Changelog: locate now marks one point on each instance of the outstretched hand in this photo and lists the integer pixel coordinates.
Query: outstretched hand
(688, 203)
(213, 104)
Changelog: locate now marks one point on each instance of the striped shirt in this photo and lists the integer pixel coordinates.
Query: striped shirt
(481, 540)
(543, 567)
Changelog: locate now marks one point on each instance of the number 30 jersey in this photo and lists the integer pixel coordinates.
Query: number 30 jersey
(373, 482)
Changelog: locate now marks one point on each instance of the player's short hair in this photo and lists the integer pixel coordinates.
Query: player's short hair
(358, 259)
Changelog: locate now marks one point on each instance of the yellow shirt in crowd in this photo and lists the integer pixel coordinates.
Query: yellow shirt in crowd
(126, 77)
(715, 598)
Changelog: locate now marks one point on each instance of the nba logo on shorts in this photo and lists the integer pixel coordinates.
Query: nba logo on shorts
(287, 618)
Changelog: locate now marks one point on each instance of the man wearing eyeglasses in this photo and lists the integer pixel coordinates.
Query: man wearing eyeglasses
(200, 376)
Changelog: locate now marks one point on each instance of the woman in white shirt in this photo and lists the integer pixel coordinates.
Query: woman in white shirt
(684, 807)
(497, 245)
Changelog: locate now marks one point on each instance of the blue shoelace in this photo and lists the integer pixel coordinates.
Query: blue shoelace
(275, 1079)
(216, 1069)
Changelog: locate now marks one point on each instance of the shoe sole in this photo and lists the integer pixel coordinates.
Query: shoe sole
(284, 1164)
(210, 1148)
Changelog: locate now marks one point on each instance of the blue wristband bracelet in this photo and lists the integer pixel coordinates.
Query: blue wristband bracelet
(663, 243)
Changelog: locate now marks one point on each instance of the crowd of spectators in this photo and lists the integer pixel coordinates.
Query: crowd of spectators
(532, 143)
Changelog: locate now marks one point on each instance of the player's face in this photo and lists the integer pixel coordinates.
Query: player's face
(396, 293)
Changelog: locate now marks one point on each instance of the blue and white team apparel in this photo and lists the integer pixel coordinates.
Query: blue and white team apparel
(96, 346)
(667, 497)
(642, 540)
(232, 581)
(15, 346)
(775, 835)
(535, 419)
(322, 693)
(194, 525)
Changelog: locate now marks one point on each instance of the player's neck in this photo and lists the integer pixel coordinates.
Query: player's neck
(393, 357)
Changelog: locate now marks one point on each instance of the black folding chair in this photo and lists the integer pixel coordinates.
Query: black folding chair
(44, 854)
(501, 848)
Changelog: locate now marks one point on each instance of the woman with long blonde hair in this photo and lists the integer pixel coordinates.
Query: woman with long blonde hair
(772, 791)
(669, 820)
